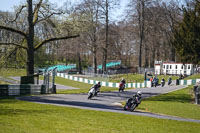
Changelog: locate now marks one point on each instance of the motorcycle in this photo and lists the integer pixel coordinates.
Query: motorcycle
(92, 92)
(162, 82)
(121, 87)
(169, 81)
(155, 82)
(132, 103)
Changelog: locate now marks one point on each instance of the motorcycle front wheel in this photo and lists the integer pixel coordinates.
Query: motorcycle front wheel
(125, 106)
(90, 96)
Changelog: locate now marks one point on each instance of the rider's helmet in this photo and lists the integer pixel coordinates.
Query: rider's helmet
(99, 83)
(139, 93)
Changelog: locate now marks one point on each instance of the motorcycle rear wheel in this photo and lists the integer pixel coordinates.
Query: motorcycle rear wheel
(133, 106)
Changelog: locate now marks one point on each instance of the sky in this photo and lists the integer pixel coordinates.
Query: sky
(8, 5)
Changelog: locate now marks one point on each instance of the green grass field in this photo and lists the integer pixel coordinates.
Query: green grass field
(131, 78)
(2, 82)
(195, 76)
(178, 103)
(11, 72)
(25, 117)
(84, 88)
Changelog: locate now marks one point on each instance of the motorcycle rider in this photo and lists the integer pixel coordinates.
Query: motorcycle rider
(138, 97)
(155, 81)
(123, 82)
(169, 80)
(96, 87)
(162, 82)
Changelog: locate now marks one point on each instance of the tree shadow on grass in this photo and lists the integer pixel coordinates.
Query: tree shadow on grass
(7, 99)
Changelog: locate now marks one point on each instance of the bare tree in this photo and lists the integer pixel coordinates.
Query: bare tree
(137, 12)
(33, 18)
(93, 12)
(106, 5)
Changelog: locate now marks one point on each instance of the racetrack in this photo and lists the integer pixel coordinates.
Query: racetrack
(106, 101)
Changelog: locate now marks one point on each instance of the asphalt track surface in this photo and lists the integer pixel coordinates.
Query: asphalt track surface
(107, 101)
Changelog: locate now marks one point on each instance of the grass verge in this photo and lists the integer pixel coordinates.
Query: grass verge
(131, 78)
(2, 82)
(84, 88)
(25, 117)
(177, 103)
(195, 76)
(11, 72)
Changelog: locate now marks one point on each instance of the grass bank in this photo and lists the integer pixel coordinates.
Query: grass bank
(195, 76)
(83, 87)
(177, 103)
(25, 117)
(130, 78)
(11, 72)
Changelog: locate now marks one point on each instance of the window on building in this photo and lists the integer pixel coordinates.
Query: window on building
(188, 66)
(176, 67)
(164, 66)
(182, 67)
(170, 66)
(167, 66)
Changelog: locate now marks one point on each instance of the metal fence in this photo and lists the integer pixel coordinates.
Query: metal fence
(49, 81)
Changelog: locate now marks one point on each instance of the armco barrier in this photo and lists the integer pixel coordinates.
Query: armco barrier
(23, 89)
(107, 84)
(189, 82)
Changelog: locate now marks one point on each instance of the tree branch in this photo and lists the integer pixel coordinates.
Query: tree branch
(36, 10)
(3, 43)
(47, 17)
(13, 30)
(53, 39)
(17, 14)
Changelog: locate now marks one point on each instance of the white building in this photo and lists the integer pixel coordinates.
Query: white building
(174, 69)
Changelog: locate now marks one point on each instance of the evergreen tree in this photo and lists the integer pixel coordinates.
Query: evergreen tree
(187, 35)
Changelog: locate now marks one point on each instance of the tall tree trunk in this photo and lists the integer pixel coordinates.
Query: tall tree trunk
(104, 60)
(105, 50)
(95, 50)
(95, 60)
(30, 38)
(95, 41)
(152, 58)
(141, 25)
(79, 63)
(172, 54)
(146, 64)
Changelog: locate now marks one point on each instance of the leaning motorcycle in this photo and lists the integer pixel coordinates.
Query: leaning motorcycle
(93, 92)
(121, 87)
(132, 103)
(169, 81)
(162, 83)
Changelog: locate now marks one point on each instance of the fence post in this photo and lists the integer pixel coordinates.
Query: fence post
(197, 94)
